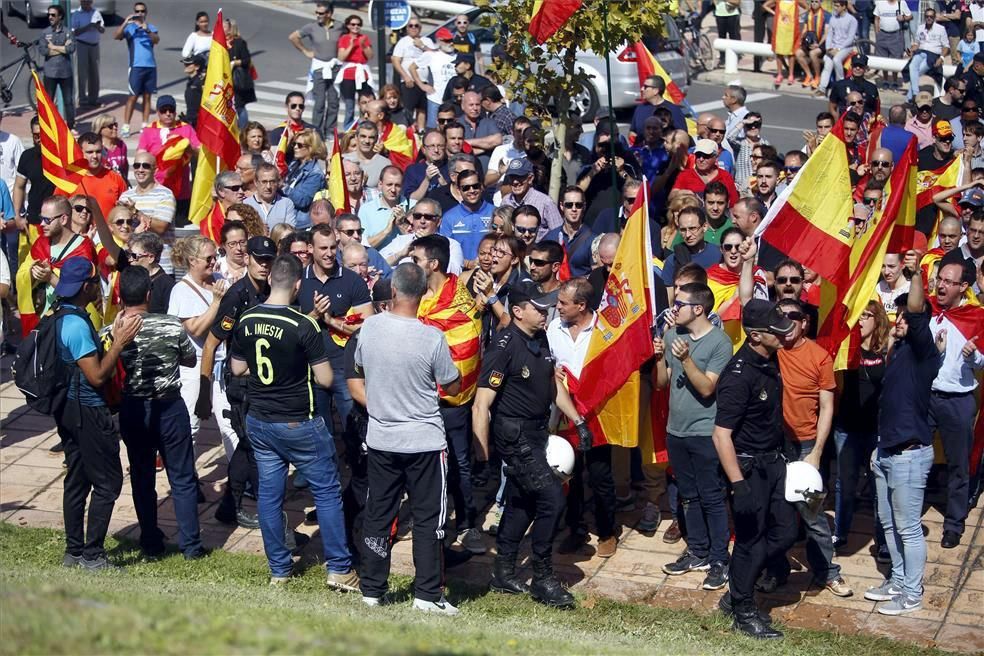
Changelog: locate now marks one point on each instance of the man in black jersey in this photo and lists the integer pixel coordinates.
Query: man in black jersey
(284, 353)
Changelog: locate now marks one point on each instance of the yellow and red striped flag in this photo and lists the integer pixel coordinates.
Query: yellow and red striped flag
(786, 28)
(401, 143)
(61, 157)
(549, 16)
(171, 160)
(931, 182)
(217, 130)
(454, 313)
(337, 192)
(648, 66)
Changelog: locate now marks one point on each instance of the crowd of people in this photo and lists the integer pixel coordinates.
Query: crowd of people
(438, 328)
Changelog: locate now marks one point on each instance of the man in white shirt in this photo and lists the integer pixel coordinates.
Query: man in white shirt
(425, 220)
(931, 47)
(87, 25)
(10, 152)
(409, 50)
(510, 149)
(438, 66)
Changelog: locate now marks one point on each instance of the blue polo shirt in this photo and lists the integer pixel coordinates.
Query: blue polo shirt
(346, 290)
(578, 248)
(912, 365)
(76, 340)
(706, 258)
(141, 45)
(468, 227)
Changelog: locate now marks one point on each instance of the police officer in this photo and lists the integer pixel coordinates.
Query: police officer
(748, 437)
(250, 290)
(516, 386)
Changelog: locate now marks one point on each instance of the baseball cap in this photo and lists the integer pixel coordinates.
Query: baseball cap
(382, 290)
(923, 99)
(979, 57)
(166, 101)
(519, 168)
(528, 293)
(763, 316)
(706, 147)
(261, 247)
(464, 58)
(75, 272)
(974, 197)
(194, 59)
(444, 34)
(942, 129)
(859, 60)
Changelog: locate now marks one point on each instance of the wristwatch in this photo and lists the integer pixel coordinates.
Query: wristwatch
(492, 300)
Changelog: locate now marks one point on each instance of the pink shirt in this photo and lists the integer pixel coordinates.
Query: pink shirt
(115, 158)
(152, 140)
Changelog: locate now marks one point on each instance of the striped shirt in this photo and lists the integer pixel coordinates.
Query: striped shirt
(158, 203)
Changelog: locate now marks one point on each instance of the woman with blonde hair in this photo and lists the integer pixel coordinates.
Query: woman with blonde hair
(502, 223)
(114, 148)
(305, 175)
(281, 230)
(81, 216)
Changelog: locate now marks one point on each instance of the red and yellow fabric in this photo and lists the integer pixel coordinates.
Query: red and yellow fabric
(40, 251)
(549, 16)
(814, 229)
(401, 142)
(816, 22)
(928, 263)
(841, 304)
(61, 157)
(337, 192)
(113, 302)
(453, 311)
(727, 304)
(647, 66)
(786, 27)
(290, 128)
(171, 161)
(352, 318)
(218, 130)
(929, 183)
(211, 227)
(620, 342)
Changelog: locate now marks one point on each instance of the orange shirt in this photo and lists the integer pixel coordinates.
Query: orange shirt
(106, 186)
(806, 369)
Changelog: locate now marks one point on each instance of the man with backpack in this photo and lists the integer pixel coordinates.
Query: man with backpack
(61, 367)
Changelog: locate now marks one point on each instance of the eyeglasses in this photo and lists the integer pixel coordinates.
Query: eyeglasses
(870, 201)
(864, 316)
(81, 208)
(352, 232)
(355, 24)
(525, 231)
(689, 229)
(794, 315)
(241, 243)
(137, 256)
(727, 248)
(445, 121)
(137, 166)
(237, 187)
(649, 86)
(535, 261)
(471, 187)
(413, 26)
(948, 283)
(133, 223)
(421, 215)
(573, 204)
(296, 106)
(753, 126)
(420, 260)
(855, 102)
(682, 304)
(880, 164)
(49, 219)
(791, 280)
(140, 11)
(322, 13)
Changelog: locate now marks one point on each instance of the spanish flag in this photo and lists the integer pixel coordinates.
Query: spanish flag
(608, 391)
(171, 160)
(217, 130)
(785, 28)
(549, 16)
(32, 300)
(647, 66)
(727, 304)
(453, 311)
(61, 157)
(283, 145)
(113, 301)
(931, 182)
(337, 192)
(401, 143)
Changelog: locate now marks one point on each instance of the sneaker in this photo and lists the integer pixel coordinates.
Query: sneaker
(672, 535)
(440, 607)
(650, 519)
(884, 592)
(607, 547)
(900, 605)
(471, 540)
(717, 576)
(125, 131)
(687, 563)
(372, 601)
(100, 564)
(839, 587)
(496, 520)
(71, 561)
(278, 581)
(247, 519)
(344, 582)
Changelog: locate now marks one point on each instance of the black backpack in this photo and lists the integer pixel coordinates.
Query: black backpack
(39, 371)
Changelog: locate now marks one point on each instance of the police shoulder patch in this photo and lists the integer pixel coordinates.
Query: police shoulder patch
(227, 322)
(495, 378)
(504, 338)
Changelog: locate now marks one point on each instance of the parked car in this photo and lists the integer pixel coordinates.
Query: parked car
(35, 12)
(486, 26)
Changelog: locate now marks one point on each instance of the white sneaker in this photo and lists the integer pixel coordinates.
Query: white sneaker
(471, 540)
(372, 601)
(441, 607)
(125, 131)
(650, 519)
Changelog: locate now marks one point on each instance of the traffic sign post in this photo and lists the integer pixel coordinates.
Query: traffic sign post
(395, 14)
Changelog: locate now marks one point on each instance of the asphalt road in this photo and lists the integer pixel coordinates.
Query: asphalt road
(265, 26)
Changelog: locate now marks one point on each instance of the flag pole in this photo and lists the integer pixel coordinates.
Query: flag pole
(611, 111)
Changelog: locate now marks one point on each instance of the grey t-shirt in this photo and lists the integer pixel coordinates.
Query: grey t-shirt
(403, 361)
(324, 44)
(692, 415)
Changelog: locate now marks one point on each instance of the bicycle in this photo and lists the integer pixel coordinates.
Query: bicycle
(696, 45)
(7, 90)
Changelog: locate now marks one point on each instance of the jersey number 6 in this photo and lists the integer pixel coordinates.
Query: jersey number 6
(264, 366)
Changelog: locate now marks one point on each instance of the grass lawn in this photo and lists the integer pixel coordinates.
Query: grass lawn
(222, 605)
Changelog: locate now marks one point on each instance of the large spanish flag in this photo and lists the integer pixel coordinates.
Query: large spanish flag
(218, 133)
(786, 28)
(839, 312)
(549, 16)
(814, 228)
(609, 385)
(337, 192)
(931, 182)
(454, 313)
(401, 143)
(61, 157)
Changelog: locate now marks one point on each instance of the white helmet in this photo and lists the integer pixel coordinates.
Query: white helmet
(560, 457)
(804, 484)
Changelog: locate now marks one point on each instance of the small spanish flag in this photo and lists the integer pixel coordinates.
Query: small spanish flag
(337, 192)
(549, 16)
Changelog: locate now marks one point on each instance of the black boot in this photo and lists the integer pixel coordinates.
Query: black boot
(724, 604)
(504, 576)
(226, 512)
(747, 621)
(547, 589)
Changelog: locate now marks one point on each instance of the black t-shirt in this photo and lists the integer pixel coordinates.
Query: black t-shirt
(840, 89)
(279, 344)
(926, 216)
(945, 112)
(749, 402)
(858, 410)
(353, 372)
(521, 370)
(346, 289)
(161, 284)
(29, 167)
(238, 298)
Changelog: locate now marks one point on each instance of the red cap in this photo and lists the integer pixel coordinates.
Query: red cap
(942, 129)
(444, 34)
(919, 242)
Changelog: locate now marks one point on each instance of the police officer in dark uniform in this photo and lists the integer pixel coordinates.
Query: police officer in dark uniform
(748, 437)
(516, 387)
(250, 290)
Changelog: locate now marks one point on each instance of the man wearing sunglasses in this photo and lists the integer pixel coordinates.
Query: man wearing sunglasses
(57, 46)
(841, 89)
(318, 41)
(932, 161)
(705, 171)
(970, 113)
(519, 181)
(348, 230)
(574, 235)
(166, 132)
(425, 219)
(789, 280)
(153, 201)
(652, 92)
(931, 47)
(471, 219)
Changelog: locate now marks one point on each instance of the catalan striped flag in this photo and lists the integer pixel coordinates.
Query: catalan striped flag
(453, 311)
(337, 192)
(218, 132)
(401, 142)
(549, 16)
(61, 157)
(33, 300)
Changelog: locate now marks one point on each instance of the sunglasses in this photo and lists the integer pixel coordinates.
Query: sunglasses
(296, 106)
(81, 208)
(351, 232)
(298, 144)
(444, 121)
(420, 215)
(880, 164)
(237, 187)
(704, 156)
(354, 24)
(413, 26)
(791, 280)
(112, 126)
(525, 231)
(629, 200)
(538, 262)
(471, 187)
(715, 130)
(142, 165)
(133, 223)
(207, 260)
(49, 219)
(945, 139)
(575, 204)
(682, 304)
(321, 13)
(970, 109)
(166, 110)
(924, 108)
(137, 256)
(794, 315)
(727, 248)
(871, 202)
(753, 126)
(855, 102)
(793, 169)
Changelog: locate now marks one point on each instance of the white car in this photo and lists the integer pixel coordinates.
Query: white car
(36, 13)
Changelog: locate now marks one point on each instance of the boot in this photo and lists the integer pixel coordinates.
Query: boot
(747, 621)
(546, 589)
(226, 512)
(504, 576)
(724, 604)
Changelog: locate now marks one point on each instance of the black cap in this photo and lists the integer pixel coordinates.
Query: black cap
(528, 293)
(763, 316)
(261, 247)
(979, 57)
(382, 290)
(859, 60)
(166, 101)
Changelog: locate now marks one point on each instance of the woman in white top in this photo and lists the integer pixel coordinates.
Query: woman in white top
(195, 301)
(198, 42)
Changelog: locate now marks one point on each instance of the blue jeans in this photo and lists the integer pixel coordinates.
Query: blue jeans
(696, 467)
(853, 453)
(432, 114)
(900, 481)
(308, 446)
(918, 65)
(337, 395)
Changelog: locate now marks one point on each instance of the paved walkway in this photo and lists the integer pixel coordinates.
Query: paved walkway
(953, 613)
